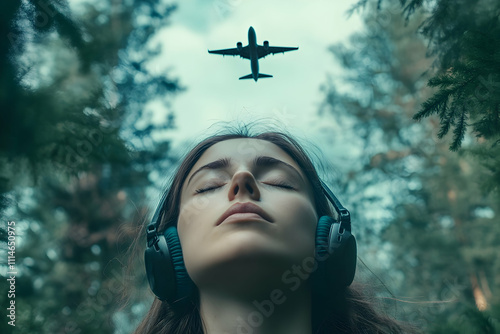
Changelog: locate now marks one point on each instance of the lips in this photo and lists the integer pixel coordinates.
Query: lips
(243, 208)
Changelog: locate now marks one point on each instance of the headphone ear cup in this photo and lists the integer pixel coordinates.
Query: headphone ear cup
(341, 266)
(319, 277)
(184, 284)
(165, 269)
(322, 236)
(336, 255)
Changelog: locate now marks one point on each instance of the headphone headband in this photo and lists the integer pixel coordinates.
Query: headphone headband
(344, 215)
(152, 228)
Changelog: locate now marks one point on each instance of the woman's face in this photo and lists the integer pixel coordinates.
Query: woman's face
(246, 207)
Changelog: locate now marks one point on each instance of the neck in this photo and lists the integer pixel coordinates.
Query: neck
(278, 311)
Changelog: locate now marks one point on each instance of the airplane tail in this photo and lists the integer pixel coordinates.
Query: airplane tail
(261, 75)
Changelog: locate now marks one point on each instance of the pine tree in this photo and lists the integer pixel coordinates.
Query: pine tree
(463, 36)
(426, 202)
(77, 149)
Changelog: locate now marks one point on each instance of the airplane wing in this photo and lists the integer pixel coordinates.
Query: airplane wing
(243, 53)
(264, 51)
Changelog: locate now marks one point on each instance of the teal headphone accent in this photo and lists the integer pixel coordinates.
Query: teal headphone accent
(184, 283)
(336, 249)
(335, 256)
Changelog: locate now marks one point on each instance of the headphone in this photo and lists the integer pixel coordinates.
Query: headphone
(336, 255)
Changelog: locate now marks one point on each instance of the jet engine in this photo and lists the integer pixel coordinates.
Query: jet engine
(266, 45)
(239, 46)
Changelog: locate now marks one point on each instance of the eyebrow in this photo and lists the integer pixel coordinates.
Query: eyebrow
(262, 161)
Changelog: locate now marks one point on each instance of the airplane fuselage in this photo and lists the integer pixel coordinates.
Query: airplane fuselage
(253, 52)
(254, 57)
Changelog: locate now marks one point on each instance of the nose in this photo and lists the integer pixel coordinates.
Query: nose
(244, 184)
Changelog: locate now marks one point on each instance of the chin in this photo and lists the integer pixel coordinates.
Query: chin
(244, 257)
(243, 269)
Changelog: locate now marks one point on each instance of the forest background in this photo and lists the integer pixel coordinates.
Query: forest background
(416, 109)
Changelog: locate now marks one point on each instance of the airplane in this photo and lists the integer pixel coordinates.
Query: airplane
(253, 51)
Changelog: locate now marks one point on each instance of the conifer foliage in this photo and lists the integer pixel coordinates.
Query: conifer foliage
(468, 93)
(425, 223)
(465, 37)
(77, 148)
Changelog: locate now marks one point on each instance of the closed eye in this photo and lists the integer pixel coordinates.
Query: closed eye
(208, 189)
(279, 184)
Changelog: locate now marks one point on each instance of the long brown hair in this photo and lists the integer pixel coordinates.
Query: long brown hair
(350, 311)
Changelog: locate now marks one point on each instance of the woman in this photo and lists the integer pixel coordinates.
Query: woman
(247, 211)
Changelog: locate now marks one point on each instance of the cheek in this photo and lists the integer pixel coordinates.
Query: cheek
(196, 217)
(301, 220)
(191, 216)
(190, 229)
(191, 210)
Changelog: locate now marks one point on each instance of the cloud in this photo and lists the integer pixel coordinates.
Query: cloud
(214, 92)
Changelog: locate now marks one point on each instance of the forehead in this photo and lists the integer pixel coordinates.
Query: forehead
(243, 151)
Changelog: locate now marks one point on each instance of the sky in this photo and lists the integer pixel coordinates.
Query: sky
(290, 99)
